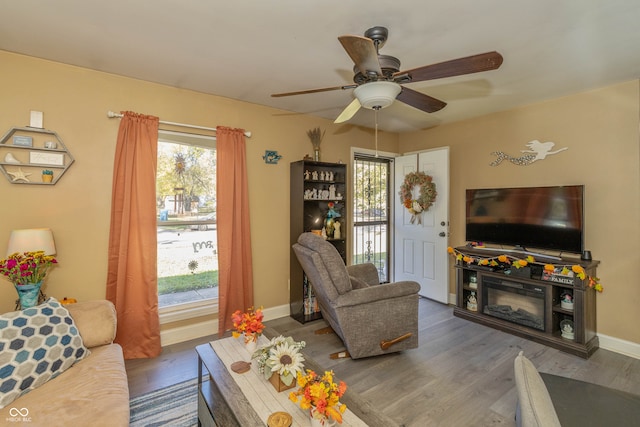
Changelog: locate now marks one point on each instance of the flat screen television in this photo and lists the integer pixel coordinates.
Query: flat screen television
(550, 218)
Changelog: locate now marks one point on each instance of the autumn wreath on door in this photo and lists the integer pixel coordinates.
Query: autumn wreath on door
(426, 197)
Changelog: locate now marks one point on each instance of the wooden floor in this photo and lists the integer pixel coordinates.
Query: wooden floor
(461, 375)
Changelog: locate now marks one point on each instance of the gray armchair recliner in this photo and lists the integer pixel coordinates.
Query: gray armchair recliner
(370, 318)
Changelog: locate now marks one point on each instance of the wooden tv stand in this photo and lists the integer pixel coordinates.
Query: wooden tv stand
(472, 278)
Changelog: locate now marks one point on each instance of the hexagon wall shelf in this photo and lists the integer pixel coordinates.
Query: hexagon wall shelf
(26, 152)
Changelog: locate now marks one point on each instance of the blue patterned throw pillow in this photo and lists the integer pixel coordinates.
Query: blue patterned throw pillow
(36, 345)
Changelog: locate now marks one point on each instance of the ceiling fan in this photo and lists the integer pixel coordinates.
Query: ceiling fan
(378, 80)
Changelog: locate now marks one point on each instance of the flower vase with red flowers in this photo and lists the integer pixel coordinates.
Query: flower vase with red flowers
(26, 271)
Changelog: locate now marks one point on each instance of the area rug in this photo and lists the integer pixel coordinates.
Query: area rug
(175, 406)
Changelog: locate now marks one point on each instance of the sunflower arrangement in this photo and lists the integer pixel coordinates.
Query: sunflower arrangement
(282, 356)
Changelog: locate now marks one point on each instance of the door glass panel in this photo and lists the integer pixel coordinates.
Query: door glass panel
(371, 213)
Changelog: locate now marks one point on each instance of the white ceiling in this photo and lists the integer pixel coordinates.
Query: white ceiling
(247, 50)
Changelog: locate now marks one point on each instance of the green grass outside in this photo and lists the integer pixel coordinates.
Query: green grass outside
(360, 259)
(187, 282)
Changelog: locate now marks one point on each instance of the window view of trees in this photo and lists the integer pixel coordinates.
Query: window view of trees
(186, 208)
(370, 190)
(186, 178)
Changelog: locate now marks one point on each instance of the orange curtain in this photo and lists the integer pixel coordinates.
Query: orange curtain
(132, 279)
(235, 271)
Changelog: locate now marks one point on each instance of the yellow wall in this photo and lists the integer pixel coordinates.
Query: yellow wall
(75, 102)
(601, 130)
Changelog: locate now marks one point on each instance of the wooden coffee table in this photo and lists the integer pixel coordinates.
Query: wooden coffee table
(226, 398)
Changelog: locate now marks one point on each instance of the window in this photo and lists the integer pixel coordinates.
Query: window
(186, 212)
(371, 207)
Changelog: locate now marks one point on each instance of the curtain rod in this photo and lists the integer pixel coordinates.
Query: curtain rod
(112, 115)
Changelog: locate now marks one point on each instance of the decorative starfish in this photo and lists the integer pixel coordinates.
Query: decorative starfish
(19, 176)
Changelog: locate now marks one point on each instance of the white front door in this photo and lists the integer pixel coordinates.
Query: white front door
(420, 249)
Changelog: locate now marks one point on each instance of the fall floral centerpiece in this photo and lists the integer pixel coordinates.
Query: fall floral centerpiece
(26, 271)
(280, 359)
(321, 395)
(248, 324)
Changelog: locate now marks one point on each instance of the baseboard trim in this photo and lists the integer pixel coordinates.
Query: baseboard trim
(209, 327)
(190, 332)
(452, 299)
(618, 345)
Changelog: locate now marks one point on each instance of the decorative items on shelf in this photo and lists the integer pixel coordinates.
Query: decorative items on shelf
(509, 263)
(32, 148)
(249, 325)
(27, 271)
(321, 396)
(315, 135)
(336, 229)
(319, 176)
(280, 361)
(473, 281)
(310, 302)
(426, 198)
(22, 141)
(566, 300)
(47, 175)
(324, 194)
(10, 158)
(472, 302)
(566, 329)
(329, 223)
(19, 175)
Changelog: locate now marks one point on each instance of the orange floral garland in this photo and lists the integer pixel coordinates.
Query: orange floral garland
(494, 261)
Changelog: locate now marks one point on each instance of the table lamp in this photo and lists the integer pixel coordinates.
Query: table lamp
(31, 240)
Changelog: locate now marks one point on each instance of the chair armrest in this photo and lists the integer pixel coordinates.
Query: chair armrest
(377, 293)
(366, 272)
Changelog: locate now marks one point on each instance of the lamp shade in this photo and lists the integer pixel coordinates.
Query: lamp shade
(377, 94)
(32, 240)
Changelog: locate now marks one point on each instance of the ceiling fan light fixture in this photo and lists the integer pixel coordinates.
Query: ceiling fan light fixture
(378, 94)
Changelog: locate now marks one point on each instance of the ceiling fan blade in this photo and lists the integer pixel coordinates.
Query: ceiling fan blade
(303, 92)
(363, 53)
(348, 112)
(456, 67)
(420, 100)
